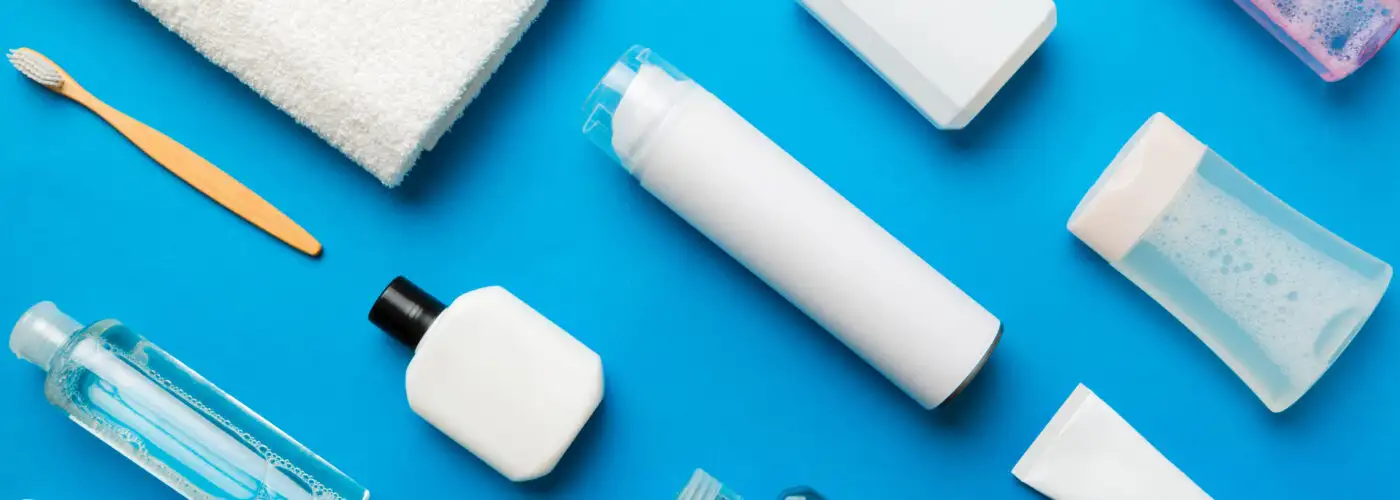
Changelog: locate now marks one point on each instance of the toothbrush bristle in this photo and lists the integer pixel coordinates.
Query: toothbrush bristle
(36, 68)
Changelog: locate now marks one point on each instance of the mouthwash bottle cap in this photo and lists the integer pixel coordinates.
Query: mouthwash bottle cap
(41, 332)
(405, 311)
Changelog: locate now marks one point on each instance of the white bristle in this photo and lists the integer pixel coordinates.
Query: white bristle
(36, 68)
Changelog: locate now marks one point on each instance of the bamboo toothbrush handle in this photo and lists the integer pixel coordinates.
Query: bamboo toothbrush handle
(207, 178)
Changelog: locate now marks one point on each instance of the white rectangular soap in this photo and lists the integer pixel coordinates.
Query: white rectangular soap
(946, 57)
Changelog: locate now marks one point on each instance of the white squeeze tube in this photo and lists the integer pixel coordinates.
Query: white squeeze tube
(788, 227)
(1088, 452)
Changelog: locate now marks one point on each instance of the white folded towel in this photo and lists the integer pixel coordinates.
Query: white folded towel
(381, 80)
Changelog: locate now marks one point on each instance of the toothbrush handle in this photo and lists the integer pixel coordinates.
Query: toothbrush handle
(207, 178)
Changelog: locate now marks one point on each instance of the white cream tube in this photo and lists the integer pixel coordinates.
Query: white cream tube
(1088, 452)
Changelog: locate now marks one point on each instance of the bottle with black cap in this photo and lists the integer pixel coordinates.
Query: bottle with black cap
(493, 374)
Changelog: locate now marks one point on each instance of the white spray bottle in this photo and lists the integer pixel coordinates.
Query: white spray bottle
(791, 229)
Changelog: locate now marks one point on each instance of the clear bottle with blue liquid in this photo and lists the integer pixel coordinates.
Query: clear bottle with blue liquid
(702, 486)
(165, 417)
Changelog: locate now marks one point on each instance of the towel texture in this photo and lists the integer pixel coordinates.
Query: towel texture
(381, 80)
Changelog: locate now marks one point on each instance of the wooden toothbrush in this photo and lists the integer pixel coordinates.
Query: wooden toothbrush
(176, 158)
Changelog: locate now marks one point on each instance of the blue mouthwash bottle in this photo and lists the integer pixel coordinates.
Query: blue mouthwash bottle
(165, 417)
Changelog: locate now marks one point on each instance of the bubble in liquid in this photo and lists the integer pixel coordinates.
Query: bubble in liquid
(1211, 235)
(318, 489)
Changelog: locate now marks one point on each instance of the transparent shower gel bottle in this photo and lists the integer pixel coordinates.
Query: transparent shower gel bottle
(1334, 37)
(1274, 295)
(165, 417)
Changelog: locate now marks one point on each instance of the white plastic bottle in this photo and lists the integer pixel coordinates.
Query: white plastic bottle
(494, 375)
(791, 229)
(1089, 452)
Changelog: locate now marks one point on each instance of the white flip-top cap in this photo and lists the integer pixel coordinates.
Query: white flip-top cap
(1134, 190)
(41, 332)
(946, 57)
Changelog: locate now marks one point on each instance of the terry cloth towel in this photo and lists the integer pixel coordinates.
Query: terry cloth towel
(381, 80)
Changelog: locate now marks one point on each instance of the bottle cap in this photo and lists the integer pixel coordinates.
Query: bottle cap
(405, 311)
(41, 332)
(1140, 183)
(631, 101)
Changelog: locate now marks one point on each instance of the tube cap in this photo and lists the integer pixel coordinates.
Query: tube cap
(405, 311)
(41, 332)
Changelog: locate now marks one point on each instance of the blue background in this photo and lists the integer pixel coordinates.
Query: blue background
(706, 366)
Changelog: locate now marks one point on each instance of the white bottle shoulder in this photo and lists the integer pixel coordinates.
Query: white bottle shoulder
(505, 382)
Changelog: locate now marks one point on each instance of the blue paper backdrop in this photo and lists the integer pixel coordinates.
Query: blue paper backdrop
(706, 366)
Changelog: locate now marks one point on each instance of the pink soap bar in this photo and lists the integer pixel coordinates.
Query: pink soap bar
(1335, 37)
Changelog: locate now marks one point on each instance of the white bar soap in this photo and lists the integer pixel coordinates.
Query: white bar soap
(946, 57)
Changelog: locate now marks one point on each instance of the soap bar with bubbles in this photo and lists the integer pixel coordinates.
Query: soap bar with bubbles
(1275, 295)
(1335, 37)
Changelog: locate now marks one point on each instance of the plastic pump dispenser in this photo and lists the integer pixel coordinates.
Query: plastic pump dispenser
(494, 375)
(790, 228)
(165, 417)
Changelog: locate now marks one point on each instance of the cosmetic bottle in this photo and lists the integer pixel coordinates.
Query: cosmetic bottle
(165, 417)
(1275, 295)
(1334, 38)
(1089, 452)
(948, 58)
(704, 487)
(790, 228)
(497, 377)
